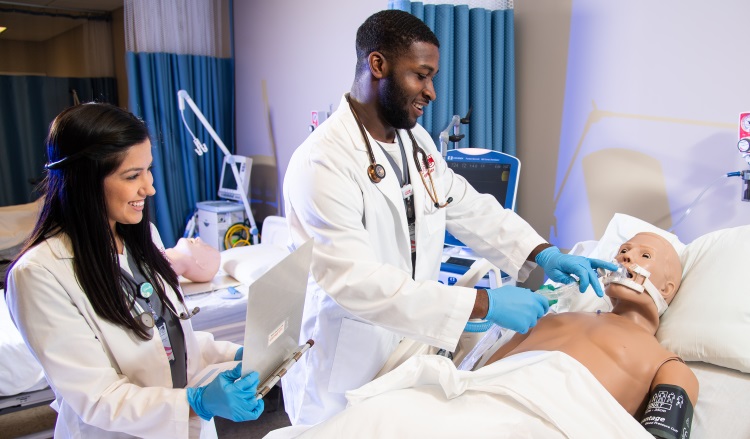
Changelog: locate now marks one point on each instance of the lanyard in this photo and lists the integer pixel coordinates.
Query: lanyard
(408, 195)
(403, 180)
(168, 326)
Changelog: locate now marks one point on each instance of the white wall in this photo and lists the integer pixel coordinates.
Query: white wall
(304, 51)
(650, 117)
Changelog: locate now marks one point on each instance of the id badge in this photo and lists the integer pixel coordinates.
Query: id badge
(407, 191)
(161, 324)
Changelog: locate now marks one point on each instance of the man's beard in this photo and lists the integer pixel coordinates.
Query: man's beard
(394, 103)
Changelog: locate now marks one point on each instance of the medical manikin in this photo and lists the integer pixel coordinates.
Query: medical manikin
(193, 259)
(619, 347)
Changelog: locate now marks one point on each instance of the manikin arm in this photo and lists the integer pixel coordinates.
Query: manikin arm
(677, 373)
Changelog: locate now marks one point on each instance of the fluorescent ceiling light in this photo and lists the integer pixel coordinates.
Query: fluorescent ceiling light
(2, 29)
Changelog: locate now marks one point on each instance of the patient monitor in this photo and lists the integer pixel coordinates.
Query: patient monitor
(490, 172)
(228, 188)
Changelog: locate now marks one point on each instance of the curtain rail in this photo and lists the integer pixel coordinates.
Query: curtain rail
(80, 14)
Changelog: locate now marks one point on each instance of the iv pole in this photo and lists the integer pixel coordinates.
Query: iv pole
(182, 97)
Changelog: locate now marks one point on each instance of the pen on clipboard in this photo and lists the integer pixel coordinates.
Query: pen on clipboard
(275, 377)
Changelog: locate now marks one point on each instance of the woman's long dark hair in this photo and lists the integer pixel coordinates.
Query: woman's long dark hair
(86, 143)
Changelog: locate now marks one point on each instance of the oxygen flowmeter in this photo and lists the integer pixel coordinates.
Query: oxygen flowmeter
(743, 145)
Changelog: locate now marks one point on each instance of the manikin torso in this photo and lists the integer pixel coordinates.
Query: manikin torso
(619, 347)
(623, 356)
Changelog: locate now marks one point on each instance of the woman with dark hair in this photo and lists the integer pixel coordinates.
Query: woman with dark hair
(98, 303)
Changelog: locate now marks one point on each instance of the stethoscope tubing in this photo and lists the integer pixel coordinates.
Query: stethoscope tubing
(376, 172)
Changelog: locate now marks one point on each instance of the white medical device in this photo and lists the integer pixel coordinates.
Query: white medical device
(216, 217)
(487, 171)
(200, 148)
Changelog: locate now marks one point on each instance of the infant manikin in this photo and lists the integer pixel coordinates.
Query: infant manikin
(193, 259)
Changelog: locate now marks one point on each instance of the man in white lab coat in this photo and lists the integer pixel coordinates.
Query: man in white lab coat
(371, 189)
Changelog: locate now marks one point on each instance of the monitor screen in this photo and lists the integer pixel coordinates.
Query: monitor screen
(486, 178)
(227, 182)
(487, 171)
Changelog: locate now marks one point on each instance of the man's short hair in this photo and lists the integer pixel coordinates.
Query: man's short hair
(391, 32)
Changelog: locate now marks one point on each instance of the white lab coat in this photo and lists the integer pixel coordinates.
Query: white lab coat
(361, 299)
(105, 379)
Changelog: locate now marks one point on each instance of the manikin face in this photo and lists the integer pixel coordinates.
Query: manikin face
(408, 88)
(194, 259)
(126, 189)
(656, 255)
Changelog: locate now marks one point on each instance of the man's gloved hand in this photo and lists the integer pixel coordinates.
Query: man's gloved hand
(515, 308)
(238, 354)
(558, 267)
(228, 397)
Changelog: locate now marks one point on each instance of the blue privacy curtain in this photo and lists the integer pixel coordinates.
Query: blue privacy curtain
(172, 46)
(33, 93)
(476, 70)
(28, 106)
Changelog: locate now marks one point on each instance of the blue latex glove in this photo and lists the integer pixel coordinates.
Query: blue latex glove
(228, 396)
(515, 308)
(558, 267)
(238, 355)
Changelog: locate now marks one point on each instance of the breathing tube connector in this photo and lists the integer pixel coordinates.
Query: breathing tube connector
(555, 294)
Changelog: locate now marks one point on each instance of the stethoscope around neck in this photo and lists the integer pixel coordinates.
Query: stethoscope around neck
(376, 171)
(146, 319)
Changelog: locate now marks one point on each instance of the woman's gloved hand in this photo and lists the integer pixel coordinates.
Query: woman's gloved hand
(238, 354)
(558, 267)
(228, 396)
(515, 308)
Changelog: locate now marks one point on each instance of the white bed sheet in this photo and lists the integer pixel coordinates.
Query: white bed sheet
(222, 313)
(19, 370)
(723, 402)
(720, 411)
(722, 398)
(534, 394)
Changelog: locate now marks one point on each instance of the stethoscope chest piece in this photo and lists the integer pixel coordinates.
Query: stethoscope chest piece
(376, 172)
(146, 320)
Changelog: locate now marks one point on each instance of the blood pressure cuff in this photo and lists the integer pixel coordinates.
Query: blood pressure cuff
(669, 413)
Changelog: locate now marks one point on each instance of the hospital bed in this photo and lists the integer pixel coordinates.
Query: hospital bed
(22, 383)
(544, 394)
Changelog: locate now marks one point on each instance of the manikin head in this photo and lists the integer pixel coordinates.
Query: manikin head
(399, 53)
(193, 259)
(657, 256)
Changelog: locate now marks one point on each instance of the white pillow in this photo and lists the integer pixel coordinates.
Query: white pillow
(248, 263)
(709, 318)
(621, 228)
